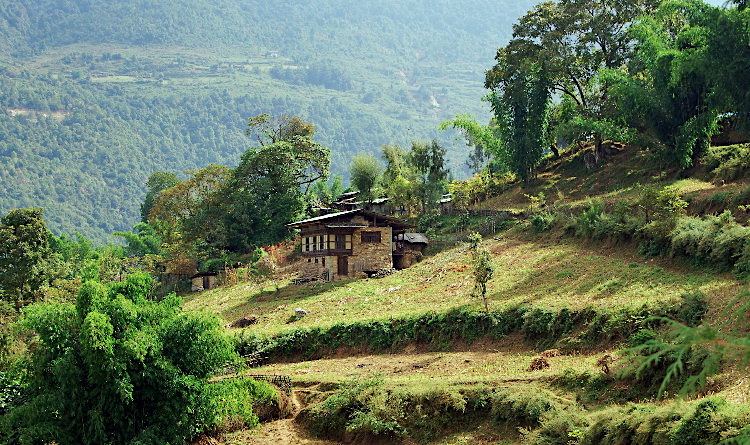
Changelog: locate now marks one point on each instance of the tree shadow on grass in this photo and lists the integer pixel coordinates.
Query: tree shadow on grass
(269, 299)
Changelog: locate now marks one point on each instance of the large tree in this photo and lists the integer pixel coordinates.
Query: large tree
(399, 177)
(365, 172)
(117, 368)
(24, 254)
(157, 182)
(428, 161)
(562, 47)
(265, 191)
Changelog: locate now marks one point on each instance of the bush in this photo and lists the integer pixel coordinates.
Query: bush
(660, 209)
(729, 162)
(692, 309)
(706, 422)
(113, 354)
(587, 223)
(233, 402)
(542, 222)
(540, 326)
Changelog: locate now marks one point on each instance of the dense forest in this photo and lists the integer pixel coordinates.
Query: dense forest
(95, 96)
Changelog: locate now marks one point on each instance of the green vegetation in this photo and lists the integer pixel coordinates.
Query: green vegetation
(115, 353)
(603, 275)
(95, 97)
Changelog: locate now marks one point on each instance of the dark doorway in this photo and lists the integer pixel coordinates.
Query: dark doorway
(343, 266)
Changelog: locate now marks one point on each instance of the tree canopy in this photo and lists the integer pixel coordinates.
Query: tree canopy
(24, 254)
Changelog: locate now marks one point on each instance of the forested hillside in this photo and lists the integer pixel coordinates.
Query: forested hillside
(95, 95)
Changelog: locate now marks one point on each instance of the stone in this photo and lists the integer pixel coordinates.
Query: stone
(299, 312)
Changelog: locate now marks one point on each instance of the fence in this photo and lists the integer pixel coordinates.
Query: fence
(282, 382)
(494, 223)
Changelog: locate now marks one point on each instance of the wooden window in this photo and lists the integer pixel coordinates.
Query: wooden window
(323, 261)
(370, 237)
(348, 242)
(340, 242)
(307, 244)
(321, 245)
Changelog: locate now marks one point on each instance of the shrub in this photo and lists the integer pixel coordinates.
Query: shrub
(706, 422)
(368, 407)
(232, 402)
(542, 222)
(692, 309)
(113, 354)
(588, 221)
(523, 407)
(660, 209)
(728, 163)
(558, 427)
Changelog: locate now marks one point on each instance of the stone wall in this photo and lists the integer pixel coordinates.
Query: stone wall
(371, 256)
(309, 268)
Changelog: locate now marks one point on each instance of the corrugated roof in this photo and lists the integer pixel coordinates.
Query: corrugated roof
(322, 218)
(414, 238)
(395, 222)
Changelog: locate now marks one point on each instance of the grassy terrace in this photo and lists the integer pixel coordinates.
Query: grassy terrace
(538, 273)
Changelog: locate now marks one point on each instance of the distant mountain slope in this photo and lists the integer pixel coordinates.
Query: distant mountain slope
(99, 94)
(440, 30)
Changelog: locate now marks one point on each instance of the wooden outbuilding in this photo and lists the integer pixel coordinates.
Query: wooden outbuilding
(409, 249)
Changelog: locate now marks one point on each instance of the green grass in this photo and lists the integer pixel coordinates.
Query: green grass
(553, 276)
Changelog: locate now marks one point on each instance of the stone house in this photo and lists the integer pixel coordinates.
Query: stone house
(348, 244)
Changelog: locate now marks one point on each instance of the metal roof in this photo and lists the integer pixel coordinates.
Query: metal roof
(414, 238)
(395, 222)
(322, 218)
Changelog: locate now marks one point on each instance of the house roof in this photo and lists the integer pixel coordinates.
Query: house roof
(394, 222)
(414, 238)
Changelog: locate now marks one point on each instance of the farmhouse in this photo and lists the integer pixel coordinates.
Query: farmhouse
(348, 244)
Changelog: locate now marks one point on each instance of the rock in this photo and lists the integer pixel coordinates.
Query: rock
(245, 322)
(382, 273)
(538, 363)
(299, 312)
(196, 288)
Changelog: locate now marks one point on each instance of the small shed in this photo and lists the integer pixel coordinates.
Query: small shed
(409, 248)
(446, 203)
(203, 281)
(381, 205)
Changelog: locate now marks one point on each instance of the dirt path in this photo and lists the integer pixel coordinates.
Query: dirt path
(279, 432)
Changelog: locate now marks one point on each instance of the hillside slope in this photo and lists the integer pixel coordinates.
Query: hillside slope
(421, 342)
(98, 95)
(413, 358)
